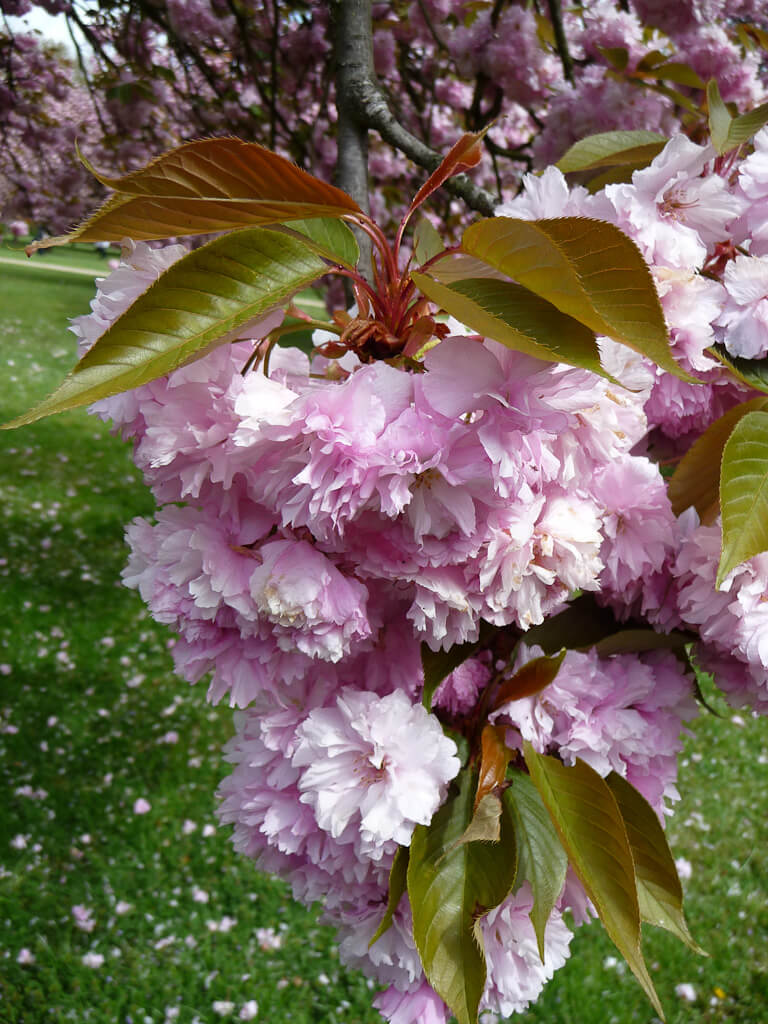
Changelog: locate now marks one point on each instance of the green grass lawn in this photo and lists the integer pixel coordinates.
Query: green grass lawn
(92, 720)
(81, 256)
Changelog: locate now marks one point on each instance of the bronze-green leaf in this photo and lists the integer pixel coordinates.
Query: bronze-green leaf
(659, 892)
(517, 318)
(450, 886)
(398, 875)
(753, 372)
(228, 168)
(531, 678)
(541, 859)
(589, 823)
(651, 60)
(744, 493)
(206, 186)
(696, 480)
(588, 269)
(606, 149)
(495, 755)
(329, 237)
(205, 298)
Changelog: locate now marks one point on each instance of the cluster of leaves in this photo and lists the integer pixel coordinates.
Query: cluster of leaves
(512, 819)
(502, 826)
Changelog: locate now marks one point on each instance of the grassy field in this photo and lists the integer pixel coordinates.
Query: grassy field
(81, 256)
(171, 924)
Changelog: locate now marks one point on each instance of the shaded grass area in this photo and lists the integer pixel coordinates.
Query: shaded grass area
(92, 720)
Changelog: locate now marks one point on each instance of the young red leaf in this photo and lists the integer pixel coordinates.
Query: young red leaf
(494, 758)
(463, 154)
(530, 679)
(207, 186)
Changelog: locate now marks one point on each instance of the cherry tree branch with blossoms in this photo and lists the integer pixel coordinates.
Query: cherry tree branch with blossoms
(436, 563)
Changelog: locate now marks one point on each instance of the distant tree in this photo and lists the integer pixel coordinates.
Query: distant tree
(157, 72)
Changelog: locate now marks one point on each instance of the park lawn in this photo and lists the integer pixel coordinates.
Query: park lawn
(92, 720)
(80, 256)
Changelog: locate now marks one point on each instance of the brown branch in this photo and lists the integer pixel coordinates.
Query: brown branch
(364, 104)
(353, 60)
(374, 111)
(556, 17)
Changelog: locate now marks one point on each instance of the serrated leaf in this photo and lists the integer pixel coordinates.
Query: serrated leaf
(144, 218)
(328, 237)
(589, 823)
(460, 267)
(517, 318)
(438, 665)
(606, 149)
(203, 299)
(398, 875)
(494, 757)
(206, 186)
(719, 117)
(450, 886)
(751, 371)
(744, 493)
(227, 168)
(696, 480)
(588, 269)
(530, 679)
(427, 242)
(659, 892)
(541, 859)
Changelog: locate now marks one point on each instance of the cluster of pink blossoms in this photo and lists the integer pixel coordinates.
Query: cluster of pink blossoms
(317, 525)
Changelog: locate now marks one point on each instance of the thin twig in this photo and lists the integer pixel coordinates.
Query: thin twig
(556, 17)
